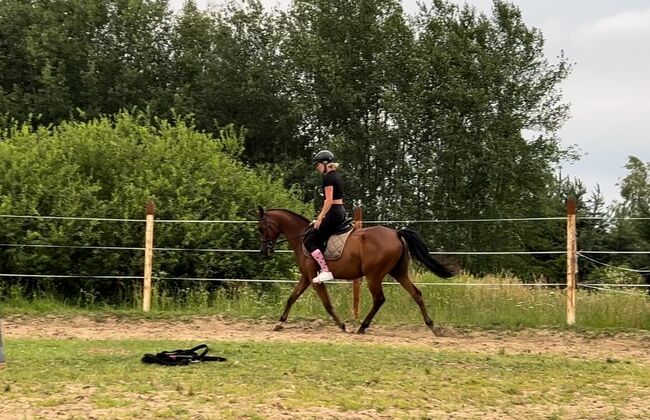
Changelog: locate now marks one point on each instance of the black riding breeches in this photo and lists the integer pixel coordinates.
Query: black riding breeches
(316, 239)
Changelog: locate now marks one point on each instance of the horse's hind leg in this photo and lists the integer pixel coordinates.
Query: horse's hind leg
(325, 298)
(302, 285)
(401, 275)
(378, 299)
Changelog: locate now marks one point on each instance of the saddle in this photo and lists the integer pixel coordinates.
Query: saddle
(333, 248)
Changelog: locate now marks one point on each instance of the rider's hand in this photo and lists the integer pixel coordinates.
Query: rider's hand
(317, 223)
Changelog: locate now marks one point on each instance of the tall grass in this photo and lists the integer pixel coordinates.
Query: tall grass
(499, 304)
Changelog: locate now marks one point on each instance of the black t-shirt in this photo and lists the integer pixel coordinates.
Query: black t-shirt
(334, 179)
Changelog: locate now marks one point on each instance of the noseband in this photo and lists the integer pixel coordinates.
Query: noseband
(269, 243)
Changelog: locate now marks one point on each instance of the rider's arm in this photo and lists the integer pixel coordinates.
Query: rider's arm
(329, 197)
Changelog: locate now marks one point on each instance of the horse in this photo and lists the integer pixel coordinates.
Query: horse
(372, 252)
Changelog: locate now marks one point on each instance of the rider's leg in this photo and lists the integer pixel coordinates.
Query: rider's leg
(320, 259)
(312, 240)
(325, 273)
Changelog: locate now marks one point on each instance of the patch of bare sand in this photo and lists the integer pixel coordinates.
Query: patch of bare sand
(620, 346)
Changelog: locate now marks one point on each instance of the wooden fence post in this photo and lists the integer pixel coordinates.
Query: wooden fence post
(2, 353)
(356, 284)
(571, 261)
(148, 257)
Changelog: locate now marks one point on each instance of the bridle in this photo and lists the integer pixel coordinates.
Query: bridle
(270, 244)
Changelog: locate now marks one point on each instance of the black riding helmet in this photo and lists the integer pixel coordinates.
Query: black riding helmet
(324, 156)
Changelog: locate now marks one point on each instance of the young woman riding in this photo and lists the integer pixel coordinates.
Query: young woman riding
(331, 215)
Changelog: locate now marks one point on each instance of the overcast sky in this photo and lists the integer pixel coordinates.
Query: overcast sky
(609, 88)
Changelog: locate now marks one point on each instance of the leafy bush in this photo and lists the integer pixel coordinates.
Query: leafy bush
(110, 168)
(615, 275)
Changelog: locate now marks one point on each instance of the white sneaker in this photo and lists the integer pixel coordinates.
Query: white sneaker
(323, 276)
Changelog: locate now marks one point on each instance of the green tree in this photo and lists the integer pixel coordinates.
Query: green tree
(428, 115)
(96, 56)
(348, 61)
(481, 83)
(631, 227)
(230, 71)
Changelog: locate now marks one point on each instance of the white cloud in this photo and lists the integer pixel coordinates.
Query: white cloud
(629, 25)
(608, 90)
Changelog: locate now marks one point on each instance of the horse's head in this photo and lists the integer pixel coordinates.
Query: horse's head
(269, 232)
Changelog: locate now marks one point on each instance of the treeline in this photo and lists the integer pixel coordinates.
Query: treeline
(447, 114)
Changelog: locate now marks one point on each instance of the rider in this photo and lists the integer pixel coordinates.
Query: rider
(331, 215)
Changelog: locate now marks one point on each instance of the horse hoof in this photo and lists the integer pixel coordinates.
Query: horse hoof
(361, 331)
(278, 327)
(437, 331)
(342, 326)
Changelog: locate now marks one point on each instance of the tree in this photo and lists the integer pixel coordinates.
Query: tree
(230, 71)
(96, 56)
(631, 228)
(428, 115)
(481, 82)
(348, 59)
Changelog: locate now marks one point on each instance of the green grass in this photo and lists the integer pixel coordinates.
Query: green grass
(79, 378)
(476, 306)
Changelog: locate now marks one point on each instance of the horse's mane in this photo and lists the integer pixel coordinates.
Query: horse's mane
(293, 213)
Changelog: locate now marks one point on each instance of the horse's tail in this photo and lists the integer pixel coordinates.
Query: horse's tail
(419, 251)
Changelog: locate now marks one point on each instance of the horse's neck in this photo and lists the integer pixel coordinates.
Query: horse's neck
(292, 227)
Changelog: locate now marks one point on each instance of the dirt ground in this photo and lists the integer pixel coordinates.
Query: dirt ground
(580, 345)
(634, 346)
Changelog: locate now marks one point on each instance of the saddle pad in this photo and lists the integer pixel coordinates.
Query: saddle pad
(335, 245)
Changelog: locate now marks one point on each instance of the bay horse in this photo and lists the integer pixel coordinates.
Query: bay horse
(371, 252)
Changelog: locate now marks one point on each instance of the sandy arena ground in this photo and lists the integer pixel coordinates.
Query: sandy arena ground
(585, 346)
(634, 346)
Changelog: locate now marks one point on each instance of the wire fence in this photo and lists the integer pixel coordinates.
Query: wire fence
(491, 220)
(584, 254)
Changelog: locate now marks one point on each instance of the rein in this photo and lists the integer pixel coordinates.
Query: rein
(271, 244)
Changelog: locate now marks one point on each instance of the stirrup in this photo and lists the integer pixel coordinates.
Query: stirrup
(323, 276)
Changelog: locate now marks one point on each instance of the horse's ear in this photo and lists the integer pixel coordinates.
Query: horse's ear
(260, 212)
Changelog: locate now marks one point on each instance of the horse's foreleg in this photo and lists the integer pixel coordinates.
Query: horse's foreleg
(378, 299)
(300, 288)
(325, 298)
